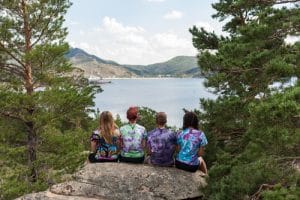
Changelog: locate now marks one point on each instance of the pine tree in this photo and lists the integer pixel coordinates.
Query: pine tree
(37, 88)
(248, 140)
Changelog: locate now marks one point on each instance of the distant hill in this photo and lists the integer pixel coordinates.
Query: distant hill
(177, 66)
(94, 66)
(180, 66)
(84, 56)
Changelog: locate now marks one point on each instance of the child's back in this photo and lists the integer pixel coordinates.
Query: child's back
(161, 146)
(189, 142)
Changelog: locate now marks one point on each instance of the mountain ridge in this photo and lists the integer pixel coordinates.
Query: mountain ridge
(179, 66)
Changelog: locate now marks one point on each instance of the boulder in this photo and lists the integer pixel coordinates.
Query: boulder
(126, 181)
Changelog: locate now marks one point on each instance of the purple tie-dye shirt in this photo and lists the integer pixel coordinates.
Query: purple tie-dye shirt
(189, 141)
(161, 143)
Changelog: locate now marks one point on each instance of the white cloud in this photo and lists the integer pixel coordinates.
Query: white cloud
(170, 40)
(81, 32)
(84, 45)
(125, 44)
(174, 14)
(72, 44)
(73, 23)
(205, 25)
(112, 25)
(156, 0)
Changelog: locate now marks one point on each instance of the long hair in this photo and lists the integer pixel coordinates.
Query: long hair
(190, 119)
(107, 126)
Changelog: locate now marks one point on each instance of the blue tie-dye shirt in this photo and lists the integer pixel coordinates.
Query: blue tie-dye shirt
(189, 141)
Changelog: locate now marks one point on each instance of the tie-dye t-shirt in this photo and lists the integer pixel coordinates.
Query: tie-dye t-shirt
(132, 136)
(189, 141)
(161, 143)
(105, 151)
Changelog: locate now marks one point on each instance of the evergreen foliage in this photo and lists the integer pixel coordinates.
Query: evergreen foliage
(43, 107)
(253, 127)
(147, 118)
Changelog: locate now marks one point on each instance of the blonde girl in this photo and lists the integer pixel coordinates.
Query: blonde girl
(104, 140)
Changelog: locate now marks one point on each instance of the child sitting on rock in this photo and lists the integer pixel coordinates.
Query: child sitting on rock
(104, 140)
(132, 139)
(161, 143)
(191, 142)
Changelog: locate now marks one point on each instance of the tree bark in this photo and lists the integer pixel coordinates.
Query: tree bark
(31, 148)
(28, 83)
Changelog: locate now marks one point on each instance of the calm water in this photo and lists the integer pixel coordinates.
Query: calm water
(168, 95)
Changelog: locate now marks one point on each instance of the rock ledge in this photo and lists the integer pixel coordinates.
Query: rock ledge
(122, 181)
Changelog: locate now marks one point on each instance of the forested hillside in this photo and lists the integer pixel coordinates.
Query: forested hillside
(253, 127)
(180, 66)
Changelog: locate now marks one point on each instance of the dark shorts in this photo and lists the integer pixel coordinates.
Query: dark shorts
(131, 160)
(93, 159)
(150, 162)
(186, 167)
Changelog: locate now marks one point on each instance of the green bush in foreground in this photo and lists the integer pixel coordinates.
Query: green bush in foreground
(58, 155)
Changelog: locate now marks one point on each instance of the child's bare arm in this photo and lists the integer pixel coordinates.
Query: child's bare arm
(201, 151)
(93, 146)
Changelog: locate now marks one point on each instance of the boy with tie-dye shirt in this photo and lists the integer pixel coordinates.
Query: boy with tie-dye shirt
(161, 143)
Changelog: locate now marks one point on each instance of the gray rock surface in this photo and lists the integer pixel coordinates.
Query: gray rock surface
(125, 181)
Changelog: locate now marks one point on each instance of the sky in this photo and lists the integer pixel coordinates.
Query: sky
(138, 31)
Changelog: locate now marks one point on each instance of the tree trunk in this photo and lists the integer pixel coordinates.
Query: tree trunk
(31, 148)
(28, 83)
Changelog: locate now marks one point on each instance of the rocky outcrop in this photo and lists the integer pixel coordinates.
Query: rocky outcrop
(94, 68)
(125, 181)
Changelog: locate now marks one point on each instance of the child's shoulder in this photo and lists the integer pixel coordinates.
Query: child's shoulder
(196, 131)
(116, 133)
(95, 135)
(140, 129)
(96, 132)
(153, 132)
(124, 127)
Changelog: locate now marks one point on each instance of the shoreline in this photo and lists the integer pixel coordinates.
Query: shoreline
(143, 78)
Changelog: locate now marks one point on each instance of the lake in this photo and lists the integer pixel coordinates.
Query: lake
(169, 95)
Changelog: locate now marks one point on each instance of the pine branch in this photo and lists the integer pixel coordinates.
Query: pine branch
(33, 25)
(239, 71)
(44, 29)
(286, 1)
(11, 55)
(11, 116)
(273, 2)
(12, 68)
(288, 158)
(263, 187)
(280, 34)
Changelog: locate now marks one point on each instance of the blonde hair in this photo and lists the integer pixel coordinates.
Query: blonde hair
(107, 126)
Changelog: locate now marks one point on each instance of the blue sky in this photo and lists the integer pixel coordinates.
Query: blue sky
(138, 31)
